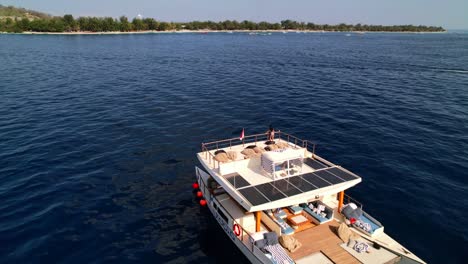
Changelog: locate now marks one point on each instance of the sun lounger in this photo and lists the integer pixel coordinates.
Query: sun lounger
(278, 253)
(368, 225)
(363, 221)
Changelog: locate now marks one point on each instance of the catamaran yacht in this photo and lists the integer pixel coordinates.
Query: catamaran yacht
(280, 202)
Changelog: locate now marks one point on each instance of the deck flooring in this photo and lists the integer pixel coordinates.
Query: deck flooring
(322, 238)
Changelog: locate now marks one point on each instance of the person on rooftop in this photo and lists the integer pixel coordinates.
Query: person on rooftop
(271, 133)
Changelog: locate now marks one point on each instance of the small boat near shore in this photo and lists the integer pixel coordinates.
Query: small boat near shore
(280, 202)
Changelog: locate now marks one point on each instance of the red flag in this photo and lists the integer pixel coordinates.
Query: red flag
(242, 135)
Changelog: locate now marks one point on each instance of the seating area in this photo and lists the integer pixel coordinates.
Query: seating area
(285, 228)
(320, 212)
(362, 221)
(269, 244)
(295, 209)
(280, 213)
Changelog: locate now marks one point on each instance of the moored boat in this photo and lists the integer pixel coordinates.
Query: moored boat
(280, 202)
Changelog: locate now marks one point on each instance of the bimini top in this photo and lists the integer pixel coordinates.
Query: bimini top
(283, 155)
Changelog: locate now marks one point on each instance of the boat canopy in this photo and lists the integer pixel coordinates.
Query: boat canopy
(296, 189)
(286, 162)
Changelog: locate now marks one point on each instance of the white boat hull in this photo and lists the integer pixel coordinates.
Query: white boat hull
(253, 254)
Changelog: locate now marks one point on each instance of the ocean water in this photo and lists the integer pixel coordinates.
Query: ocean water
(98, 136)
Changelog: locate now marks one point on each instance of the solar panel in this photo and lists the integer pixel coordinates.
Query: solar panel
(253, 196)
(314, 164)
(315, 180)
(286, 187)
(270, 191)
(302, 184)
(329, 177)
(342, 174)
(236, 180)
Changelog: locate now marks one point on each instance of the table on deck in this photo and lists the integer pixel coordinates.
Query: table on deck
(298, 220)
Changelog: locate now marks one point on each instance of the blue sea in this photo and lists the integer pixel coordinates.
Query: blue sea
(98, 136)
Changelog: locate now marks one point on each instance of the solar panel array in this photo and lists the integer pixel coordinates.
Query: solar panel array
(282, 188)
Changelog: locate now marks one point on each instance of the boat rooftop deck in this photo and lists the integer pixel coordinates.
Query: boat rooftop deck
(257, 188)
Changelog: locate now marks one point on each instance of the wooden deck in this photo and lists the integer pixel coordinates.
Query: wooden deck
(322, 238)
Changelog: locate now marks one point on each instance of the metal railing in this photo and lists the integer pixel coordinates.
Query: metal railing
(348, 199)
(216, 145)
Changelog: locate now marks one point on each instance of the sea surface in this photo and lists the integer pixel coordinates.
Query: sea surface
(98, 136)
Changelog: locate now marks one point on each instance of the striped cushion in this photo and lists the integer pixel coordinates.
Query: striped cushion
(279, 254)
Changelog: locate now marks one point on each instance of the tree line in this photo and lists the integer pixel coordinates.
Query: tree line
(68, 23)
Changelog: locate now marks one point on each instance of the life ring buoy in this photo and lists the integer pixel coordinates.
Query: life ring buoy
(236, 229)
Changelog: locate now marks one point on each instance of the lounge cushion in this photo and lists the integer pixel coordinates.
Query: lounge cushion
(261, 243)
(347, 211)
(232, 155)
(221, 157)
(357, 213)
(271, 238)
(280, 213)
(287, 231)
(344, 233)
(285, 228)
(367, 225)
(248, 152)
(295, 209)
(219, 151)
(290, 243)
(282, 145)
(324, 216)
(258, 150)
(252, 155)
(279, 219)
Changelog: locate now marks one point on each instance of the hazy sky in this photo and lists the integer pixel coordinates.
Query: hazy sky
(451, 14)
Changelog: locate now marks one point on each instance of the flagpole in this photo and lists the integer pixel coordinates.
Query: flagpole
(243, 137)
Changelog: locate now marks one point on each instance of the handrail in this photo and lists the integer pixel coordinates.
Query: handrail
(233, 220)
(350, 199)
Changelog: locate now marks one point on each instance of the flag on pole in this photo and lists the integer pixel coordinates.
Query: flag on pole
(242, 135)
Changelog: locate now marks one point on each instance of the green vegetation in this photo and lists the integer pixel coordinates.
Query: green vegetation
(14, 12)
(21, 20)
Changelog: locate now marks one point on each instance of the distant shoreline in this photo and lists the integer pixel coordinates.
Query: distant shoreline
(210, 31)
(18, 20)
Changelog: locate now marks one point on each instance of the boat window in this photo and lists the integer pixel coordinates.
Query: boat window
(215, 205)
(222, 215)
